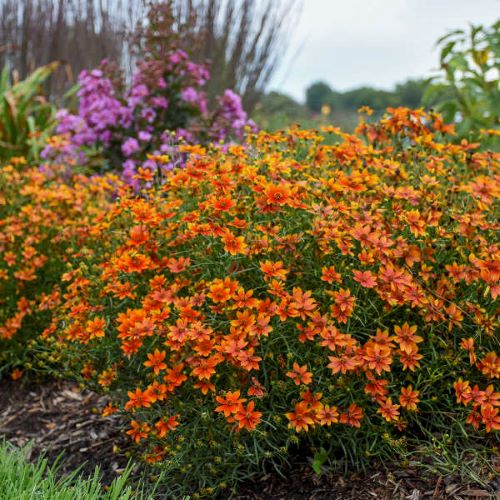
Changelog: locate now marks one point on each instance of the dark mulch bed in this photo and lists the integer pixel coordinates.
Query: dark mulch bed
(56, 417)
(303, 484)
(59, 418)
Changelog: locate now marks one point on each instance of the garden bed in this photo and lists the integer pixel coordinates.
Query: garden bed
(59, 418)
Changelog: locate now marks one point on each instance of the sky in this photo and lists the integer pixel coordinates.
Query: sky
(351, 43)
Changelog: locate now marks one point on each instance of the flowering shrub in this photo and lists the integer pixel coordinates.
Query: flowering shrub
(343, 294)
(42, 217)
(123, 125)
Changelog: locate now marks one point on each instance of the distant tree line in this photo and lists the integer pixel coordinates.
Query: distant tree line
(409, 93)
(277, 110)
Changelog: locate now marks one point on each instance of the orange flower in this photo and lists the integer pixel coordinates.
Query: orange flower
(222, 290)
(490, 417)
(175, 377)
(95, 328)
(490, 365)
(409, 398)
(463, 391)
(365, 278)
(138, 399)
(344, 300)
(300, 375)
(230, 403)
(301, 418)
(247, 418)
(406, 338)
(205, 367)
(330, 275)
(410, 360)
(378, 357)
(389, 410)
(138, 235)
(139, 431)
(234, 244)
(274, 269)
(223, 204)
(108, 410)
(165, 425)
(328, 415)
(302, 302)
(16, 374)
(277, 194)
(155, 361)
(353, 416)
(178, 265)
(343, 364)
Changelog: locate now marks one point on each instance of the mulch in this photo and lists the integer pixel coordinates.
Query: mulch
(59, 418)
(56, 417)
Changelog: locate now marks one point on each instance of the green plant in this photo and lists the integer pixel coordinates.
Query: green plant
(26, 116)
(293, 292)
(42, 214)
(467, 90)
(23, 480)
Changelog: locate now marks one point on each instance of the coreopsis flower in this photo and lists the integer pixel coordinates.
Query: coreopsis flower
(300, 374)
(406, 337)
(389, 410)
(138, 431)
(230, 403)
(247, 417)
(409, 398)
(156, 361)
(300, 419)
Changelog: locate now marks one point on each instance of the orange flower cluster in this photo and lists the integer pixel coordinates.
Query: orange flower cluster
(294, 285)
(41, 217)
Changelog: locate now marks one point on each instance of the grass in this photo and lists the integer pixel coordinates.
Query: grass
(23, 480)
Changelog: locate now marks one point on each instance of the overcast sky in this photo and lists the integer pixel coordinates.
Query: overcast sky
(350, 43)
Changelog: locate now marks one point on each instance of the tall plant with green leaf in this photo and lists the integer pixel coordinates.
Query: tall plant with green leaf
(467, 89)
(26, 116)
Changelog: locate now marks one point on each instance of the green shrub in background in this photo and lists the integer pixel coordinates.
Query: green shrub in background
(467, 89)
(26, 116)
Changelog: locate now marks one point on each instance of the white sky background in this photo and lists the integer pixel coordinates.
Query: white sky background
(350, 43)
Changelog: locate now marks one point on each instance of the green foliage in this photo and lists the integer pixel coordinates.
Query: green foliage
(407, 94)
(467, 88)
(26, 117)
(25, 481)
(276, 111)
(317, 95)
(247, 304)
(41, 213)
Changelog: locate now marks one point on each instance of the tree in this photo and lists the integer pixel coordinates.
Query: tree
(317, 95)
(411, 92)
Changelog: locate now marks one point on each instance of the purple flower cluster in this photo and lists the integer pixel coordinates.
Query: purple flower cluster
(123, 126)
(232, 118)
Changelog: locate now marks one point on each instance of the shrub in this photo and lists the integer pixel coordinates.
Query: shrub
(120, 126)
(42, 216)
(26, 117)
(467, 90)
(292, 291)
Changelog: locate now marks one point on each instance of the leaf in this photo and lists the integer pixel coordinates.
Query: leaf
(446, 51)
(319, 459)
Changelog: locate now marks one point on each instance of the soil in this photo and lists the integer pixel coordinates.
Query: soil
(59, 418)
